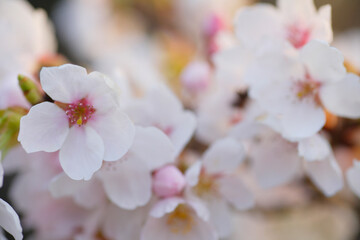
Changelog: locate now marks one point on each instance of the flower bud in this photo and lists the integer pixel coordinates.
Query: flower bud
(196, 76)
(168, 181)
(9, 127)
(31, 91)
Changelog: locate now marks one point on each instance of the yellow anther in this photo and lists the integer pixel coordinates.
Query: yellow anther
(79, 121)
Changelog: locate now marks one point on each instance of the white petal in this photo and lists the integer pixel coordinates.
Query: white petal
(183, 131)
(10, 221)
(82, 153)
(322, 28)
(252, 24)
(64, 83)
(44, 128)
(220, 217)
(326, 175)
(224, 155)
(87, 194)
(198, 206)
(342, 98)
(314, 148)
(127, 182)
(164, 101)
(230, 65)
(275, 161)
(306, 114)
(353, 177)
(234, 191)
(117, 133)
(100, 94)
(63, 186)
(123, 224)
(153, 147)
(192, 173)
(158, 229)
(300, 10)
(324, 63)
(165, 206)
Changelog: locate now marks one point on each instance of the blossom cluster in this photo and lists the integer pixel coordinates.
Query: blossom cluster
(167, 136)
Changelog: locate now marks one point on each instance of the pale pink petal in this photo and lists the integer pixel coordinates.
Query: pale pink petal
(64, 83)
(342, 98)
(326, 175)
(223, 156)
(153, 147)
(183, 131)
(165, 206)
(44, 128)
(323, 63)
(82, 153)
(321, 28)
(234, 191)
(127, 182)
(100, 94)
(220, 217)
(275, 161)
(230, 65)
(300, 10)
(10, 221)
(253, 24)
(123, 224)
(353, 177)
(303, 120)
(87, 194)
(314, 148)
(158, 229)
(192, 173)
(199, 206)
(117, 133)
(63, 186)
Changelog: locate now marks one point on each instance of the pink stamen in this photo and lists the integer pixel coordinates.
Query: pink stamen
(307, 88)
(79, 112)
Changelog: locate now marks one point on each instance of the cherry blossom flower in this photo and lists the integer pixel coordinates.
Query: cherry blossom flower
(85, 122)
(276, 161)
(178, 218)
(292, 87)
(127, 181)
(295, 21)
(161, 109)
(216, 183)
(25, 40)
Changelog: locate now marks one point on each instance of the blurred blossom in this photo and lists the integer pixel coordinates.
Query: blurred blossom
(179, 117)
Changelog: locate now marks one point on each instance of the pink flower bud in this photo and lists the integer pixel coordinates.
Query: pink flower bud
(168, 181)
(196, 76)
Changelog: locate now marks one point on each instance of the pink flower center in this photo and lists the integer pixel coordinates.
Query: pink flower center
(79, 112)
(298, 35)
(307, 88)
(207, 183)
(181, 220)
